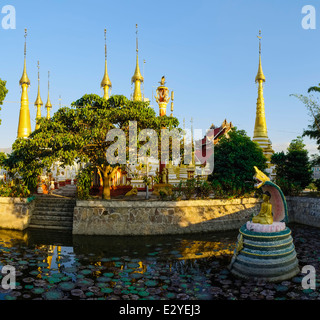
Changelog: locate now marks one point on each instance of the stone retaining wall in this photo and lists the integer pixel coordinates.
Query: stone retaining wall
(161, 217)
(15, 213)
(304, 210)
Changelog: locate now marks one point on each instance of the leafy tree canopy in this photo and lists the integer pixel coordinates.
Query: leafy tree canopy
(3, 92)
(293, 168)
(79, 134)
(234, 159)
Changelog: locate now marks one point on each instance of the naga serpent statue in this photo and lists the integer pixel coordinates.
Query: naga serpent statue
(265, 248)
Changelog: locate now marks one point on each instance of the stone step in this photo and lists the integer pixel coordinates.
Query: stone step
(53, 212)
(54, 204)
(52, 227)
(45, 219)
(53, 209)
(48, 222)
(37, 213)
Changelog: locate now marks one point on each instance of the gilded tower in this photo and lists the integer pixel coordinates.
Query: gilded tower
(38, 103)
(106, 83)
(24, 126)
(48, 104)
(260, 134)
(137, 78)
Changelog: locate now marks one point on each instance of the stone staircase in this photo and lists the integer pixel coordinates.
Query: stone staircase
(68, 190)
(53, 212)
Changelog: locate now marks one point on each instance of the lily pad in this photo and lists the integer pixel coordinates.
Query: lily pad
(54, 279)
(86, 271)
(108, 274)
(28, 280)
(37, 290)
(28, 286)
(66, 286)
(85, 282)
(143, 293)
(151, 283)
(53, 295)
(106, 290)
(104, 279)
(136, 275)
(77, 292)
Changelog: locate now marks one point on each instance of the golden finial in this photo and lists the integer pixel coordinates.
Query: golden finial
(260, 75)
(24, 79)
(48, 104)
(106, 83)
(172, 98)
(137, 78)
(38, 100)
(105, 44)
(137, 47)
(25, 42)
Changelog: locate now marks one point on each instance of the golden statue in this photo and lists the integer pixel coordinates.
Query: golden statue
(132, 192)
(265, 215)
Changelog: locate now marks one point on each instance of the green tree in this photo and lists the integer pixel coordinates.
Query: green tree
(313, 106)
(79, 134)
(234, 159)
(297, 144)
(293, 169)
(3, 92)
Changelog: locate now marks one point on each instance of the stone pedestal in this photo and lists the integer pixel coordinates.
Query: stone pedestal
(268, 256)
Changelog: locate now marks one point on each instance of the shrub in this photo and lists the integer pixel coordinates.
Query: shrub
(84, 180)
(15, 190)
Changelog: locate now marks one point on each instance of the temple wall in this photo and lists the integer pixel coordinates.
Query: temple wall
(15, 213)
(161, 217)
(304, 210)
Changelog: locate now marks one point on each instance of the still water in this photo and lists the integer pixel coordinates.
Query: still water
(53, 265)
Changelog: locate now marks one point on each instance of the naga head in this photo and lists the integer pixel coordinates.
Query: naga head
(260, 178)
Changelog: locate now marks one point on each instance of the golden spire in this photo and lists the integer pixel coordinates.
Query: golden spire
(38, 102)
(260, 134)
(24, 126)
(106, 83)
(24, 78)
(137, 78)
(260, 75)
(48, 104)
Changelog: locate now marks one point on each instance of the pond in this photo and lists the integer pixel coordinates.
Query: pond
(52, 265)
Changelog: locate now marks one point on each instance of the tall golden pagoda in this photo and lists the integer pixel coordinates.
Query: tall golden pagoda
(106, 83)
(48, 104)
(38, 103)
(137, 78)
(260, 134)
(24, 127)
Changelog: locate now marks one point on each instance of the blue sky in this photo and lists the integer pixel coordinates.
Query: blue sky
(207, 49)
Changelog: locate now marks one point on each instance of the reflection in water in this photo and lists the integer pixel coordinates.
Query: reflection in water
(58, 265)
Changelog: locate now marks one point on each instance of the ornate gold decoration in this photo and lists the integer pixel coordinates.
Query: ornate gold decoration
(260, 134)
(24, 126)
(38, 103)
(137, 78)
(162, 96)
(260, 177)
(48, 104)
(106, 83)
